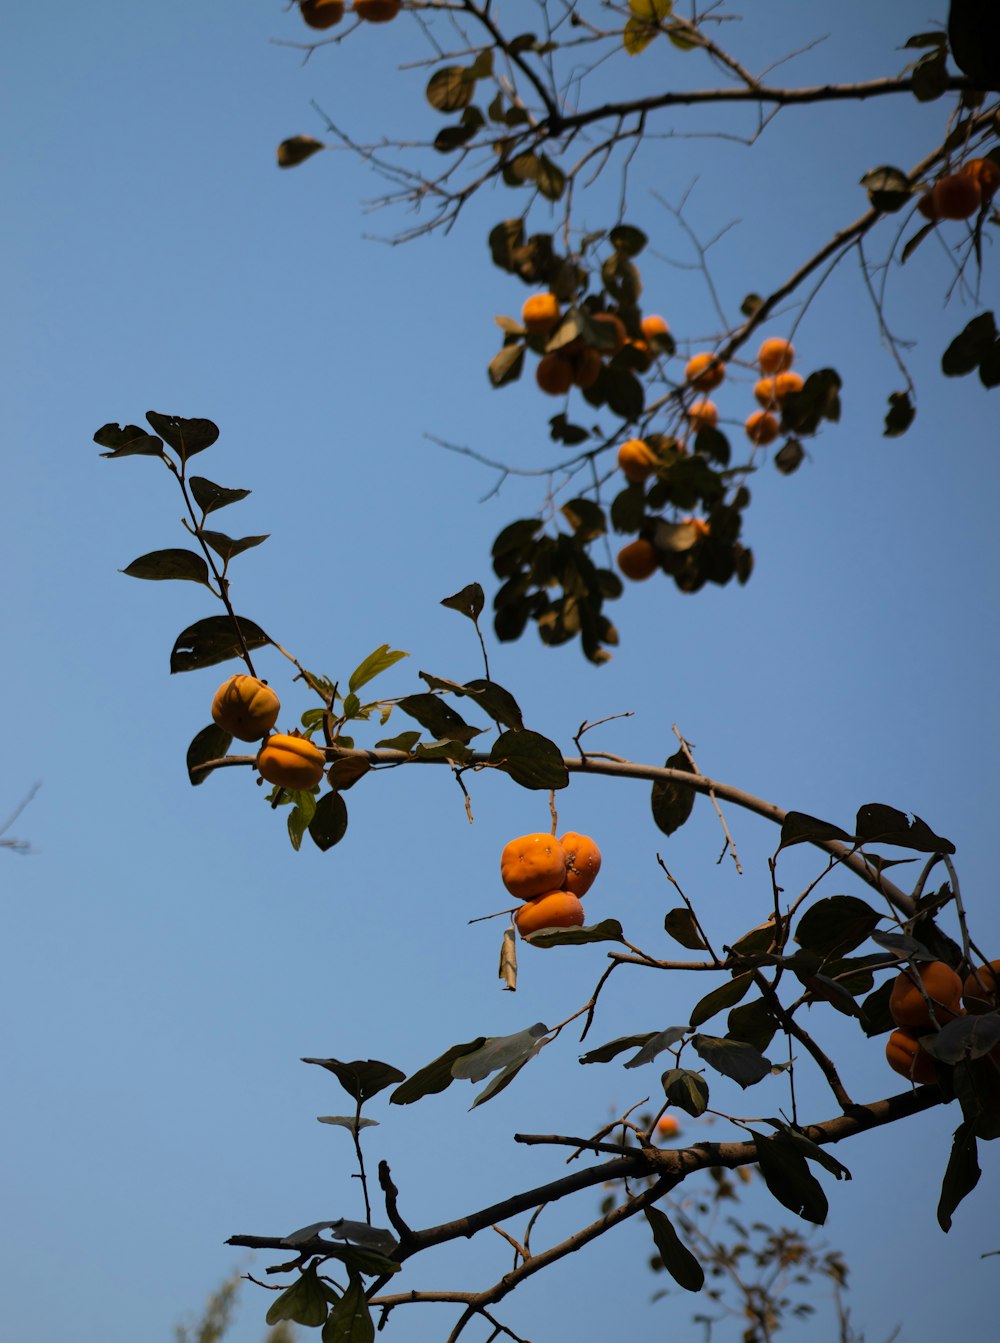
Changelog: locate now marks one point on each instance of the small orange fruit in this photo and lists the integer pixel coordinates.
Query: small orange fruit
(907, 1005)
(705, 371)
(637, 460)
(245, 708)
(904, 1054)
(957, 196)
(587, 367)
(980, 994)
(377, 11)
(986, 174)
(540, 314)
(638, 560)
(322, 13)
(583, 862)
(554, 374)
(643, 355)
(703, 415)
(613, 328)
(667, 1126)
(556, 909)
(532, 864)
(927, 207)
(775, 355)
(653, 326)
(762, 427)
(291, 762)
(772, 391)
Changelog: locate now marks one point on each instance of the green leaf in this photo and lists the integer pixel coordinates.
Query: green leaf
(350, 1122)
(530, 759)
(732, 1058)
(837, 925)
(451, 88)
(628, 240)
(561, 431)
(930, 76)
(678, 1260)
(623, 393)
(468, 602)
(504, 240)
(900, 415)
(550, 178)
(608, 930)
(350, 1320)
(961, 1175)
(888, 188)
(752, 1024)
(875, 1017)
(672, 802)
(213, 640)
(655, 1045)
(499, 1052)
(687, 1090)
(405, 741)
(499, 703)
(304, 1302)
(374, 664)
(186, 437)
(161, 564)
(296, 149)
(128, 442)
(345, 773)
(499, 1083)
(751, 305)
(800, 828)
(363, 1078)
(683, 928)
(435, 1076)
(506, 365)
(879, 824)
(301, 813)
(637, 36)
(811, 1150)
(229, 547)
(724, 996)
(989, 367)
(969, 346)
(211, 743)
(444, 749)
(790, 1180)
(969, 1037)
(586, 518)
(439, 718)
(209, 496)
(605, 1053)
(329, 822)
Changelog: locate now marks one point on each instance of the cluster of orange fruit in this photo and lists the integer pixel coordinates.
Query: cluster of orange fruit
(704, 372)
(960, 195)
(325, 13)
(950, 998)
(248, 709)
(577, 364)
(549, 875)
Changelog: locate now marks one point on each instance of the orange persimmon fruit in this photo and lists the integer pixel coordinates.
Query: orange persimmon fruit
(532, 864)
(586, 367)
(904, 1055)
(613, 328)
(703, 415)
(909, 1007)
(638, 560)
(704, 372)
(377, 11)
(762, 427)
(667, 1126)
(980, 991)
(772, 391)
(322, 13)
(554, 374)
(957, 196)
(554, 909)
(637, 460)
(986, 174)
(583, 862)
(653, 326)
(245, 708)
(775, 355)
(291, 762)
(540, 314)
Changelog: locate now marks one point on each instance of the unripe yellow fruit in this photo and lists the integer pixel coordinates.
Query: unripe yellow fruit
(245, 708)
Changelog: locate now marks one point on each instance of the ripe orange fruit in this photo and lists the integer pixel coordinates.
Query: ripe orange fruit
(613, 328)
(583, 862)
(291, 762)
(377, 11)
(703, 415)
(322, 13)
(638, 560)
(705, 371)
(653, 326)
(775, 355)
(637, 460)
(981, 995)
(762, 427)
(554, 374)
(643, 354)
(667, 1126)
(556, 909)
(956, 196)
(540, 314)
(245, 707)
(907, 1005)
(927, 207)
(772, 391)
(986, 174)
(532, 864)
(904, 1055)
(587, 367)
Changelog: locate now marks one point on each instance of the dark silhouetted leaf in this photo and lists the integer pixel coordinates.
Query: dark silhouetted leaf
(608, 930)
(627, 240)
(344, 774)
(438, 718)
(329, 821)
(305, 1302)
(655, 1045)
(969, 346)
(930, 76)
(530, 759)
(374, 664)
(211, 743)
(969, 1037)
(350, 1320)
(561, 431)
(451, 88)
(209, 496)
(435, 1076)
(213, 640)
(363, 1078)
(624, 393)
(499, 1052)
(683, 928)
(550, 178)
(724, 996)
(228, 547)
(605, 1053)
(161, 564)
(836, 925)
(500, 704)
(672, 802)
(900, 415)
(506, 365)
(296, 149)
(961, 1174)
(974, 38)
(687, 1090)
(752, 1024)
(186, 437)
(469, 602)
(790, 1180)
(751, 305)
(732, 1058)
(879, 824)
(888, 188)
(678, 1260)
(875, 1017)
(807, 1148)
(405, 741)
(128, 442)
(799, 828)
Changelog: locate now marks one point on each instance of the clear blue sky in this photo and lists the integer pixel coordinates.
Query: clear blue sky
(166, 957)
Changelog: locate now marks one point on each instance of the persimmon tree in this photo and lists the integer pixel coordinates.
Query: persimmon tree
(655, 463)
(553, 115)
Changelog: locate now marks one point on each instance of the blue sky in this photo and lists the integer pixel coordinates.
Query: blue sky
(167, 959)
